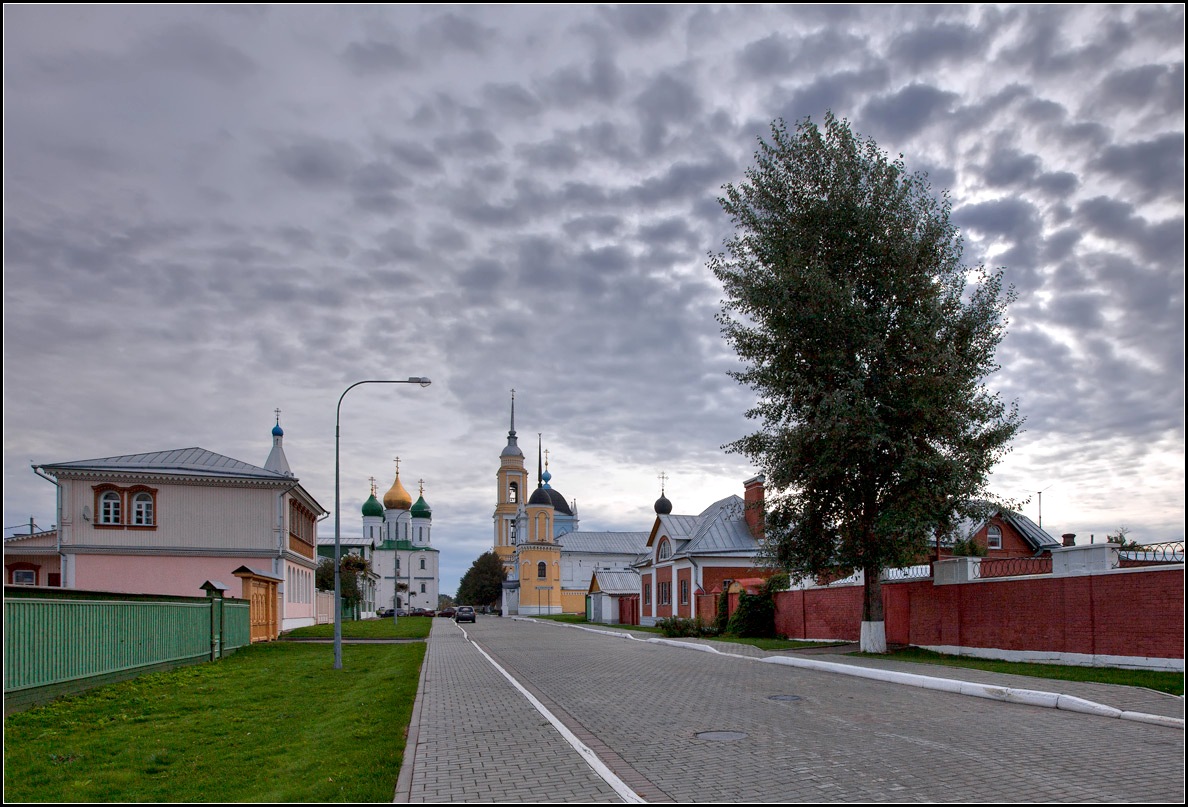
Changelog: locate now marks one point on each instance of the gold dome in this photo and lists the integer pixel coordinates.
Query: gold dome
(397, 497)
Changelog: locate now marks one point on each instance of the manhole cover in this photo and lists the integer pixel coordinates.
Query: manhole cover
(721, 735)
(783, 697)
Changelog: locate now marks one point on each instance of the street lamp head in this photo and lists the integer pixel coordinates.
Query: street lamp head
(424, 382)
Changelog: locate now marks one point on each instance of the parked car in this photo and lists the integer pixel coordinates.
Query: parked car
(384, 612)
(447, 612)
(464, 613)
(401, 612)
(423, 612)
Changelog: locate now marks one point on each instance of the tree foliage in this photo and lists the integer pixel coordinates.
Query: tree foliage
(352, 569)
(483, 582)
(867, 343)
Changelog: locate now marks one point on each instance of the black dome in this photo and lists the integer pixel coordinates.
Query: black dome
(559, 503)
(540, 496)
(663, 506)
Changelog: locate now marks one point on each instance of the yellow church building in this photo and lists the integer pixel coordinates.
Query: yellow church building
(549, 563)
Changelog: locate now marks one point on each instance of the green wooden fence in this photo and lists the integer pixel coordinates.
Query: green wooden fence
(60, 640)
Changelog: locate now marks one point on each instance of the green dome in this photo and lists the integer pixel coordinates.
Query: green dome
(372, 507)
(421, 509)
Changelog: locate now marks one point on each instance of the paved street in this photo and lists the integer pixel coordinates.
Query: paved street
(642, 708)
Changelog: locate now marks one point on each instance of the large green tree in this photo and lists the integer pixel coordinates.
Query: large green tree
(483, 582)
(867, 343)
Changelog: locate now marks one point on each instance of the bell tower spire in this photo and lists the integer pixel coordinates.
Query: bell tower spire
(512, 481)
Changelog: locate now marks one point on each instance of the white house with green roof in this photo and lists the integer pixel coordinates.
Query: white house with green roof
(404, 560)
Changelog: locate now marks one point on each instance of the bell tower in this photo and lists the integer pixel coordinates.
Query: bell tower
(512, 482)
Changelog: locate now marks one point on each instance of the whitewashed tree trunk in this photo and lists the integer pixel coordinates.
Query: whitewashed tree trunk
(873, 638)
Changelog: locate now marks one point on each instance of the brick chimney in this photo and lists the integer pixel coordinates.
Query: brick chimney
(753, 510)
(1070, 538)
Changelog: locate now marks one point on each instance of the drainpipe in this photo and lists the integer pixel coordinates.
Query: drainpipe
(58, 525)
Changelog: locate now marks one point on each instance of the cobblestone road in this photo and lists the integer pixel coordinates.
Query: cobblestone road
(809, 736)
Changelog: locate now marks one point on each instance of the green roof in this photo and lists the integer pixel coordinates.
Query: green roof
(372, 507)
(421, 509)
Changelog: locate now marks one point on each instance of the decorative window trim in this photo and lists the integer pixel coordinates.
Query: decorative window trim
(125, 499)
(23, 568)
(664, 550)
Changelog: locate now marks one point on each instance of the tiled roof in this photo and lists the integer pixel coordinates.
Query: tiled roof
(177, 462)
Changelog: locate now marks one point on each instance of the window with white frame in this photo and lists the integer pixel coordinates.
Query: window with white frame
(684, 592)
(109, 507)
(664, 595)
(142, 510)
(24, 577)
(665, 550)
(994, 537)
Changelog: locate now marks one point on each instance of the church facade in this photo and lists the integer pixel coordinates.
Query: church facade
(404, 558)
(548, 559)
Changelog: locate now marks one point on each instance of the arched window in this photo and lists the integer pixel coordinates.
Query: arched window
(109, 508)
(665, 551)
(422, 588)
(542, 570)
(513, 493)
(994, 537)
(422, 563)
(142, 510)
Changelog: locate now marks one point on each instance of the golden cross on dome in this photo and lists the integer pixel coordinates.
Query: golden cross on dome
(662, 477)
(421, 482)
(372, 479)
(277, 416)
(397, 461)
(546, 459)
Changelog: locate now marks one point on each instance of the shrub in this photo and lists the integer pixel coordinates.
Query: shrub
(754, 617)
(678, 627)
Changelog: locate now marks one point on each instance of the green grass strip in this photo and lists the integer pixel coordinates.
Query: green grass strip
(272, 723)
(406, 627)
(1161, 681)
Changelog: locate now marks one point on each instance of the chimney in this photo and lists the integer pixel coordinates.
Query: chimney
(1069, 538)
(753, 508)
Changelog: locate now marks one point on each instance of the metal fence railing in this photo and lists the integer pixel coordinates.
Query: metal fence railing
(918, 572)
(1012, 567)
(1135, 555)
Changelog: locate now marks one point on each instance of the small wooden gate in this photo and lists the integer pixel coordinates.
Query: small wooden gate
(260, 590)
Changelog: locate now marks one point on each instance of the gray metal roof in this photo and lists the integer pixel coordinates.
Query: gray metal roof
(617, 582)
(1032, 533)
(678, 526)
(722, 528)
(177, 462)
(618, 543)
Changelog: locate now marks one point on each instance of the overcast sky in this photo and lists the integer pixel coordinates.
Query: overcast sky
(212, 212)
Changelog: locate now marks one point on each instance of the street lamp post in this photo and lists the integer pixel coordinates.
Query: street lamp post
(424, 382)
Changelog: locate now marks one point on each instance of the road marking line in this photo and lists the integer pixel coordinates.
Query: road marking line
(584, 751)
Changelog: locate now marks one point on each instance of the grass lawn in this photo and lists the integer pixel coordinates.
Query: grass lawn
(272, 723)
(406, 627)
(1171, 682)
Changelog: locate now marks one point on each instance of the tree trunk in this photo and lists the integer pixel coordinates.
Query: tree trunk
(873, 638)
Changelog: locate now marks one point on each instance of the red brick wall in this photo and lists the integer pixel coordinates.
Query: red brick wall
(1132, 614)
(647, 603)
(712, 576)
(822, 613)
(686, 575)
(664, 575)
